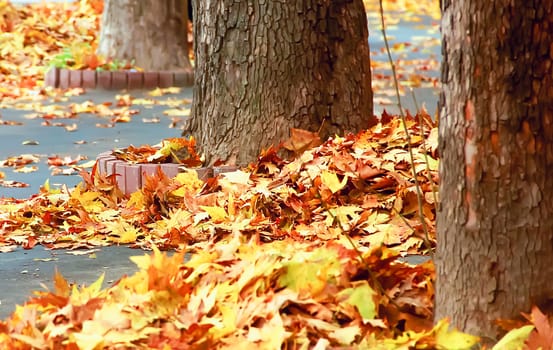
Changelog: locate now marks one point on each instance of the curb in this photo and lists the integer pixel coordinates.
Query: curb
(116, 80)
(130, 177)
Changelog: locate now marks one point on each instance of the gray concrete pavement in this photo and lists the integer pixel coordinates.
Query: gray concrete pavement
(23, 271)
(56, 141)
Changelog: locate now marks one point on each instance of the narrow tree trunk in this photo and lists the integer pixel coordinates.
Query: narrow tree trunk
(495, 223)
(264, 67)
(153, 33)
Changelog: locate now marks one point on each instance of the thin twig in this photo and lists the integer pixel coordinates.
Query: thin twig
(414, 100)
(421, 122)
(406, 130)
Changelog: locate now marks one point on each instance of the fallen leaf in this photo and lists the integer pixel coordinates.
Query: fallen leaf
(29, 143)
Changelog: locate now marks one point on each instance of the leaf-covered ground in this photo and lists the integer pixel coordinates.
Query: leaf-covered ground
(301, 254)
(284, 253)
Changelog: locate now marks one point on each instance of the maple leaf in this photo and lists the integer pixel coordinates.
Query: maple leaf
(515, 339)
(330, 180)
(189, 181)
(61, 285)
(361, 297)
(157, 192)
(89, 200)
(163, 272)
(122, 232)
(92, 61)
(216, 214)
(542, 335)
(311, 272)
(177, 150)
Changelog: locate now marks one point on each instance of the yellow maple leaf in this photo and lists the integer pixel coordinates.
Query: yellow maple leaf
(80, 296)
(330, 180)
(447, 338)
(61, 287)
(122, 232)
(189, 181)
(137, 200)
(217, 214)
(88, 199)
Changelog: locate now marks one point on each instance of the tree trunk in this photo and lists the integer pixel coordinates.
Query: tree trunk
(264, 67)
(495, 223)
(153, 33)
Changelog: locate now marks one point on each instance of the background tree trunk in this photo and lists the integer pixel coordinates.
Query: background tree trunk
(495, 223)
(263, 67)
(152, 32)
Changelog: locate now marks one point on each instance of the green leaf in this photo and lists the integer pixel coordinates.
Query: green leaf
(515, 339)
(362, 298)
(310, 272)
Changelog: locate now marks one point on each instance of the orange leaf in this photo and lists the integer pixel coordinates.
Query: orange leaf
(61, 287)
(97, 5)
(30, 243)
(27, 82)
(92, 61)
(542, 336)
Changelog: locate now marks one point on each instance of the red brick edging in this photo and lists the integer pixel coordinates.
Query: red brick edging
(116, 80)
(130, 177)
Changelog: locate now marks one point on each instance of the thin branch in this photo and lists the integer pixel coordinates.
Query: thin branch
(406, 130)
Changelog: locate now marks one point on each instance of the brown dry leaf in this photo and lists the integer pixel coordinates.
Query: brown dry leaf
(301, 140)
(21, 160)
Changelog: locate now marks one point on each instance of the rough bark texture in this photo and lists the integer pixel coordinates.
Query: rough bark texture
(152, 32)
(263, 67)
(495, 223)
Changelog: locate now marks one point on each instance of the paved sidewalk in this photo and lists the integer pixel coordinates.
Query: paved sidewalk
(54, 140)
(23, 271)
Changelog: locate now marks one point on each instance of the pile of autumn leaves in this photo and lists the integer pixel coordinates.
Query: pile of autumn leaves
(295, 254)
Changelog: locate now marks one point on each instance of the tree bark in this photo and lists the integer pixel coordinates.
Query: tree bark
(264, 67)
(153, 33)
(495, 222)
